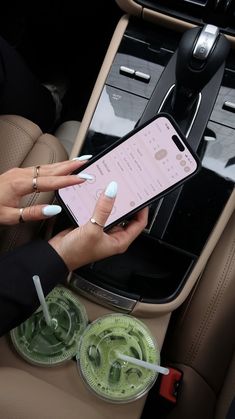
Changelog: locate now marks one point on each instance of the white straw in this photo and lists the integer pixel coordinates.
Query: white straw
(145, 364)
(42, 300)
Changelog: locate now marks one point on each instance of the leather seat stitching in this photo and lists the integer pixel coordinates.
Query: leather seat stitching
(212, 306)
(13, 124)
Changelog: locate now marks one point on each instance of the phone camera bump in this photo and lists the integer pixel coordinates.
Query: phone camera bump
(178, 143)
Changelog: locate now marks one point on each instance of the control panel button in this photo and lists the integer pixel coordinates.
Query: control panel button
(142, 76)
(127, 71)
(229, 106)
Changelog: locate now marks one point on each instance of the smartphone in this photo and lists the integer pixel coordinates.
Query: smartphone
(147, 163)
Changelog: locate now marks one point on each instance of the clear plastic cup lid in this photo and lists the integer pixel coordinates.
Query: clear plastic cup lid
(46, 345)
(103, 372)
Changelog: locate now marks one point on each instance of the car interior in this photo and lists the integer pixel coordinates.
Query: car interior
(116, 65)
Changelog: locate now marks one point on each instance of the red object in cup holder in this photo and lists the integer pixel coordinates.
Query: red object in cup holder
(170, 384)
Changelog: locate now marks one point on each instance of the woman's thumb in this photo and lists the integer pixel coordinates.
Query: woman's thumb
(105, 204)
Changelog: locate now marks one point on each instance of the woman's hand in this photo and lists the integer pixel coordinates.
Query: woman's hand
(89, 243)
(18, 182)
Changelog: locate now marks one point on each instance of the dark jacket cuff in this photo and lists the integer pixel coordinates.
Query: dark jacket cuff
(18, 297)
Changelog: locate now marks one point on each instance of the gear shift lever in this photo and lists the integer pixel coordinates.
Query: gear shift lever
(200, 53)
(196, 67)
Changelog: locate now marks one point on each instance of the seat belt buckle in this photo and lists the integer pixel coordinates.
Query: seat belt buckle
(170, 384)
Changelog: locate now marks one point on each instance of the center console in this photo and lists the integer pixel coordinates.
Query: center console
(159, 268)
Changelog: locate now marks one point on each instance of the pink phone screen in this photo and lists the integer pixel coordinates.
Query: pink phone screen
(143, 166)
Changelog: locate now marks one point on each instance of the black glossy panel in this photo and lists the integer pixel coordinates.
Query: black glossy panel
(219, 150)
(147, 271)
(116, 114)
(198, 208)
(141, 62)
(157, 264)
(226, 93)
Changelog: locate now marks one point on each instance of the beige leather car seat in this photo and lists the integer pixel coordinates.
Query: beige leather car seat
(201, 340)
(23, 396)
(22, 144)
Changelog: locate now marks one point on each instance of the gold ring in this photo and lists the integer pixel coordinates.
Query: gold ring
(35, 187)
(21, 220)
(93, 221)
(36, 171)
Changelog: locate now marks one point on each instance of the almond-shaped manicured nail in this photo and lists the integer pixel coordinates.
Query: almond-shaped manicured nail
(84, 157)
(51, 210)
(85, 176)
(111, 190)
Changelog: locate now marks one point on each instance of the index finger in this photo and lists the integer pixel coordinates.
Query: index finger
(64, 168)
(24, 185)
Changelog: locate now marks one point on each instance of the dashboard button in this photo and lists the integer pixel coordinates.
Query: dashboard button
(127, 71)
(142, 76)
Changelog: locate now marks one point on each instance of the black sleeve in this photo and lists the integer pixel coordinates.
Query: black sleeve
(18, 297)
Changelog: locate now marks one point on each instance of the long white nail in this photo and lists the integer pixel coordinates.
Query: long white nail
(85, 176)
(111, 190)
(84, 157)
(51, 210)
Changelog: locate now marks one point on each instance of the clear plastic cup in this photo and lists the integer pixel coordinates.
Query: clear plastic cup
(101, 369)
(46, 345)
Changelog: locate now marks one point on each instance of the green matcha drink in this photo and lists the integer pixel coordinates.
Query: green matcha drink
(46, 345)
(105, 374)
